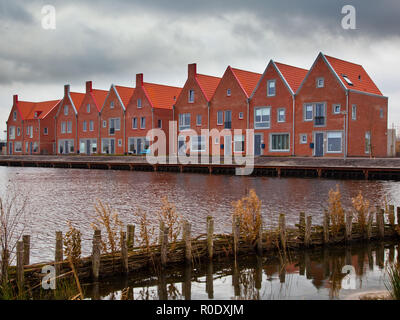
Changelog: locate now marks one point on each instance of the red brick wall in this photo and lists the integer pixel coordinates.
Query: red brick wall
(47, 141)
(61, 117)
(17, 123)
(282, 99)
(93, 115)
(106, 114)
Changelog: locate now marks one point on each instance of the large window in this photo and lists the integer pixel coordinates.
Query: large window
(184, 121)
(18, 146)
(367, 142)
(262, 118)
(91, 125)
(198, 143)
(115, 125)
(11, 133)
(238, 145)
(228, 119)
(271, 90)
(279, 142)
(220, 118)
(281, 115)
(334, 140)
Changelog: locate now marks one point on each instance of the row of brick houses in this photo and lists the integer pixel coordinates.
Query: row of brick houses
(333, 109)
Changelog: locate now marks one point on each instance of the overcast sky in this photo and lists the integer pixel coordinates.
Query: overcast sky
(110, 41)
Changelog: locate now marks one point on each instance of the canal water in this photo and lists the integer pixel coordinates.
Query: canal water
(57, 196)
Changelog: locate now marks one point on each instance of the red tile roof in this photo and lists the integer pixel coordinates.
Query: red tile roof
(99, 97)
(161, 96)
(356, 73)
(125, 93)
(248, 80)
(77, 98)
(25, 108)
(28, 109)
(293, 75)
(208, 84)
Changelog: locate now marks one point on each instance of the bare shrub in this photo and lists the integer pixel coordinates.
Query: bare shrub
(335, 210)
(171, 218)
(146, 231)
(361, 207)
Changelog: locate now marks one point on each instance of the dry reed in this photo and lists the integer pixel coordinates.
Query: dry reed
(336, 212)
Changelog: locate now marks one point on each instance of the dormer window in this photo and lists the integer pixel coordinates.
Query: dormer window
(320, 82)
(347, 80)
(88, 108)
(139, 103)
(228, 92)
(191, 96)
(66, 110)
(36, 114)
(112, 105)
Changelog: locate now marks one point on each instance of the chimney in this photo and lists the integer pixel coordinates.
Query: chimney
(15, 99)
(139, 80)
(192, 70)
(66, 89)
(88, 86)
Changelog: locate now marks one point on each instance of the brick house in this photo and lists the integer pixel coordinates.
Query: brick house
(230, 107)
(149, 107)
(66, 133)
(340, 112)
(89, 120)
(271, 109)
(192, 107)
(30, 127)
(112, 120)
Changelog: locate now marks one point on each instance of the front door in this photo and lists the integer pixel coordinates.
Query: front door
(257, 144)
(87, 147)
(227, 145)
(30, 148)
(10, 148)
(66, 151)
(112, 146)
(319, 144)
(139, 146)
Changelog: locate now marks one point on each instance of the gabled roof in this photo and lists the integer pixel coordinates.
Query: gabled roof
(247, 80)
(77, 98)
(293, 75)
(25, 108)
(99, 97)
(28, 109)
(208, 84)
(161, 96)
(125, 94)
(359, 78)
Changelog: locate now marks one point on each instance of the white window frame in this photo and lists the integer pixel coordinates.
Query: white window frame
(327, 141)
(241, 116)
(134, 123)
(45, 131)
(203, 144)
(18, 143)
(284, 115)
(11, 133)
(139, 103)
(63, 127)
(228, 92)
(112, 105)
(267, 123)
(91, 125)
(88, 108)
(15, 115)
(269, 88)
(198, 117)
(119, 142)
(334, 108)
(183, 123)
(319, 84)
(238, 138)
(142, 122)
(220, 123)
(69, 126)
(191, 96)
(104, 124)
(84, 126)
(18, 131)
(354, 112)
(367, 133)
(305, 112)
(302, 135)
(279, 134)
(66, 110)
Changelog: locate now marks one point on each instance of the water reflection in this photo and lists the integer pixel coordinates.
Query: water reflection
(58, 195)
(308, 274)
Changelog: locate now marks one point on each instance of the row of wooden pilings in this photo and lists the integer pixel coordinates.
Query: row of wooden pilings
(304, 239)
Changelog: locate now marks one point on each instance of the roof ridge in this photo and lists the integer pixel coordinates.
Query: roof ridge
(246, 71)
(360, 65)
(289, 65)
(161, 85)
(207, 75)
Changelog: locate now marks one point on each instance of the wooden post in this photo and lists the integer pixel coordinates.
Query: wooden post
(210, 280)
(391, 215)
(124, 253)
(282, 231)
(369, 226)
(188, 241)
(259, 239)
(130, 242)
(302, 225)
(236, 234)
(27, 248)
(5, 257)
(210, 235)
(164, 247)
(187, 283)
(59, 252)
(96, 250)
(398, 216)
(326, 227)
(349, 226)
(380, 223)
(161, 233)
(307, 235)
(20, 265)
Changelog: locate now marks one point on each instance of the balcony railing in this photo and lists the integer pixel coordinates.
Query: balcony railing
(228, 125)
(319, 121)
(112, 130)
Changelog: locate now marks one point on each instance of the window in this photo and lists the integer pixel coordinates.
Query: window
(198, 120)
(348, 81)
(26, 147)
(45, 131)
(319, 114)
(115, 125)
(191, 96)
(91, 125)
(18, 131)
(220, 118)
(142, 122)
(139, 103)
(11, 133)
(119, 142)
(228, 92)
(381, 114)
(35, 147)
(112, 105)
(104, 124)
(184, 121)
(15, 115)
(31, 131)
(216, 141)
(66, 110)
(334, 142)
(238, 145)
(88, 108)
(69, 126)
(198, 143)
(262, 118)
(367, 142)
(354, 112)
(320, 82)
(228, 119)
(159, 123)
(18, 146)
(303, 138)
(84, 125)
(63, 127)
(279, 142)
(240, 115)
(134, 123)
(308, 112)
(281, 115)
(271, 90)
(336, 108)
(28, 130)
